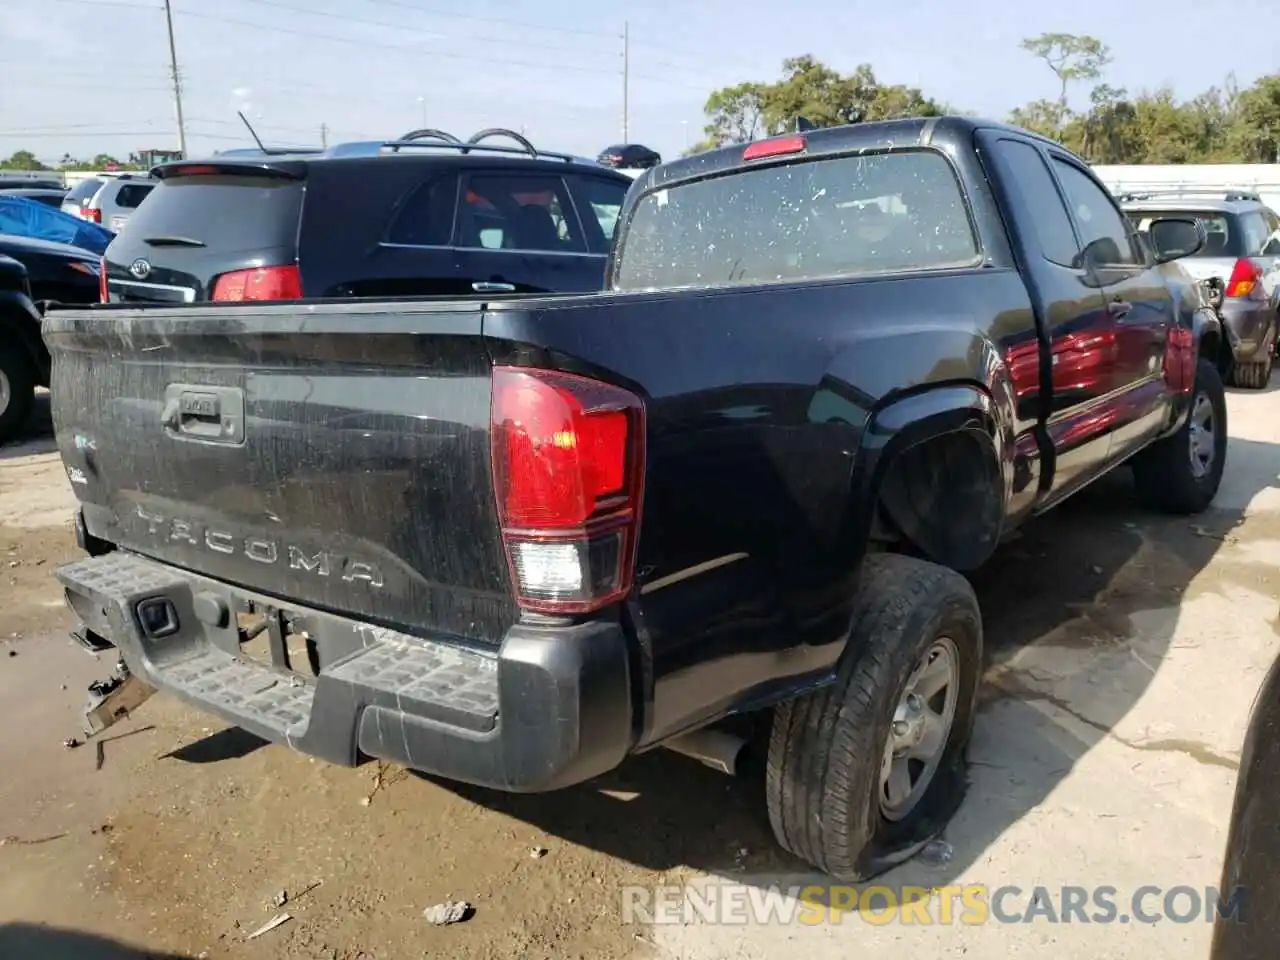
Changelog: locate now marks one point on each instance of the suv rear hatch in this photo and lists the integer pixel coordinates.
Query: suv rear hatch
(212, 230)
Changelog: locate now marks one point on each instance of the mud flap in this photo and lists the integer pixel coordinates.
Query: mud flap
(113, 699)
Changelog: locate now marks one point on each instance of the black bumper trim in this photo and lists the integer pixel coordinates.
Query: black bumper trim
(550, 709)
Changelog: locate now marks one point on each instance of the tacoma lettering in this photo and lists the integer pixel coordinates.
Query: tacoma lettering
(319, 563)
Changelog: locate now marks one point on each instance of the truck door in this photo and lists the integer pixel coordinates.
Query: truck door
(1140, 309)
(1071, 312)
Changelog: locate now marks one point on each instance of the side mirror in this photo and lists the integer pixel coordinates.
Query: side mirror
(1175, 237)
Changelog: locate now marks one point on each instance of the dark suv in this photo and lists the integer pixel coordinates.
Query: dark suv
(424, 215)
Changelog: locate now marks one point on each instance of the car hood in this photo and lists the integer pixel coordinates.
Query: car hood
(15, 247)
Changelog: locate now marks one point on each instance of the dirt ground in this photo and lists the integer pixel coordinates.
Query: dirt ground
(180, 837)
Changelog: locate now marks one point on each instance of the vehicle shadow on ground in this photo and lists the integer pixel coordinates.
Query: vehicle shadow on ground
(26, 941)
(1068, 581)
(35, 438)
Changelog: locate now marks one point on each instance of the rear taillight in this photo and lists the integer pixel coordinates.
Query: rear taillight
(568, 472)
(90, 214)
(103, 295)
(1244, 277)
(260, 283)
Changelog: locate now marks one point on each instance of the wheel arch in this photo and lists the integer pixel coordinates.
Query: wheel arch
(933, 476)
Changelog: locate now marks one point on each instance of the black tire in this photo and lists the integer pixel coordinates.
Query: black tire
(823, 777)
(1255, 375)
(17, 390)
(1164, 474)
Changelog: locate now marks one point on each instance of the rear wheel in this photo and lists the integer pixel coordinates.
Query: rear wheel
(1181, 473)
(863, 773)
(17, 389)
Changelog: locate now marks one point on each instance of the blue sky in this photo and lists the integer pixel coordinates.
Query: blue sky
(87, 76)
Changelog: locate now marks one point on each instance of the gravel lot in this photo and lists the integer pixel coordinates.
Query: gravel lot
(1126, 651)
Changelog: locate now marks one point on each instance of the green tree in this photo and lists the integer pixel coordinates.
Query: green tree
(1260, 119)
(24, 160)
(810, 89)
(1072, 58)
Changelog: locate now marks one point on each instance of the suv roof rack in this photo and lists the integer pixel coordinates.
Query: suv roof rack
(1229, 194)
(430, 138)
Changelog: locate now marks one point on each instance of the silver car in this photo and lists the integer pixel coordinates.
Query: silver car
(114, 200)
(1243, 253)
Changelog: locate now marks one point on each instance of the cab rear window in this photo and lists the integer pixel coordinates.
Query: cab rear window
(843, 216)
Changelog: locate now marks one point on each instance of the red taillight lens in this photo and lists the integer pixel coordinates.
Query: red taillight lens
(1244, 277)
(777, 147)
(260, 283)
(103, 295)
(90, 214)
(568, 472)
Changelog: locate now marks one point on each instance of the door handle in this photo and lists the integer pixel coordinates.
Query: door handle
(493, 286)
(1119, 309)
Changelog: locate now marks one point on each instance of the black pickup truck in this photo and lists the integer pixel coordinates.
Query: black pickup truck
(513, 541)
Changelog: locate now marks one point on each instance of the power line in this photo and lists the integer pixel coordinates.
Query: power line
(523, 24)
(430, 33)
(445, 54)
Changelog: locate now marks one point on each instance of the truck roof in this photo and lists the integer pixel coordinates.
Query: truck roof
(914, 131)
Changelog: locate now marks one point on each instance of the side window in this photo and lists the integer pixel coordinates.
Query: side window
(426, 218)
(1255, 231)
(601, 199)
(132, 194)
(514, 212)
(1103, 231)
(1040, 194)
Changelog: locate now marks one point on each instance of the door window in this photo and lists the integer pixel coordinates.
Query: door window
(1103, 230)
(426, 218)
(1044, 203)
(511, 212)
(601, 199)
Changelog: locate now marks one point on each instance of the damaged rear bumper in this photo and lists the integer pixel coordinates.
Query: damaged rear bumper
(551, 708)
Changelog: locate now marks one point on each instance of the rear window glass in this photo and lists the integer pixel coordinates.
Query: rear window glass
(844, 216)
(132, 194)
(83, 191)
(228, 213)
(1225, 238)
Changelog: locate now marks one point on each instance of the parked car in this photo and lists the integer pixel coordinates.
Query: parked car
(76, 200)
(32, 271)
(115, 202)
(49, 196)
(422, 215)
(1246, 925)
(514, 540)
(630, 156)
(24, 217)
(1243, 252)
(22, 180)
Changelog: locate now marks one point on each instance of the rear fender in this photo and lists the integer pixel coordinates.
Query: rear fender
(932, 471)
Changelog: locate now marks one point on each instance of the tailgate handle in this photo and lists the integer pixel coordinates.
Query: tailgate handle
(210, 414)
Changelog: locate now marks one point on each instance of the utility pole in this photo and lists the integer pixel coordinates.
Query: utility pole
(177, 81)
(324, 134)
(626, 80)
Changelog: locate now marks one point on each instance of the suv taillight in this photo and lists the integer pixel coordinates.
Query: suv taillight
(260, 283)
(1244, 277)
(91, 214)
(568, 473)
(103, 295)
